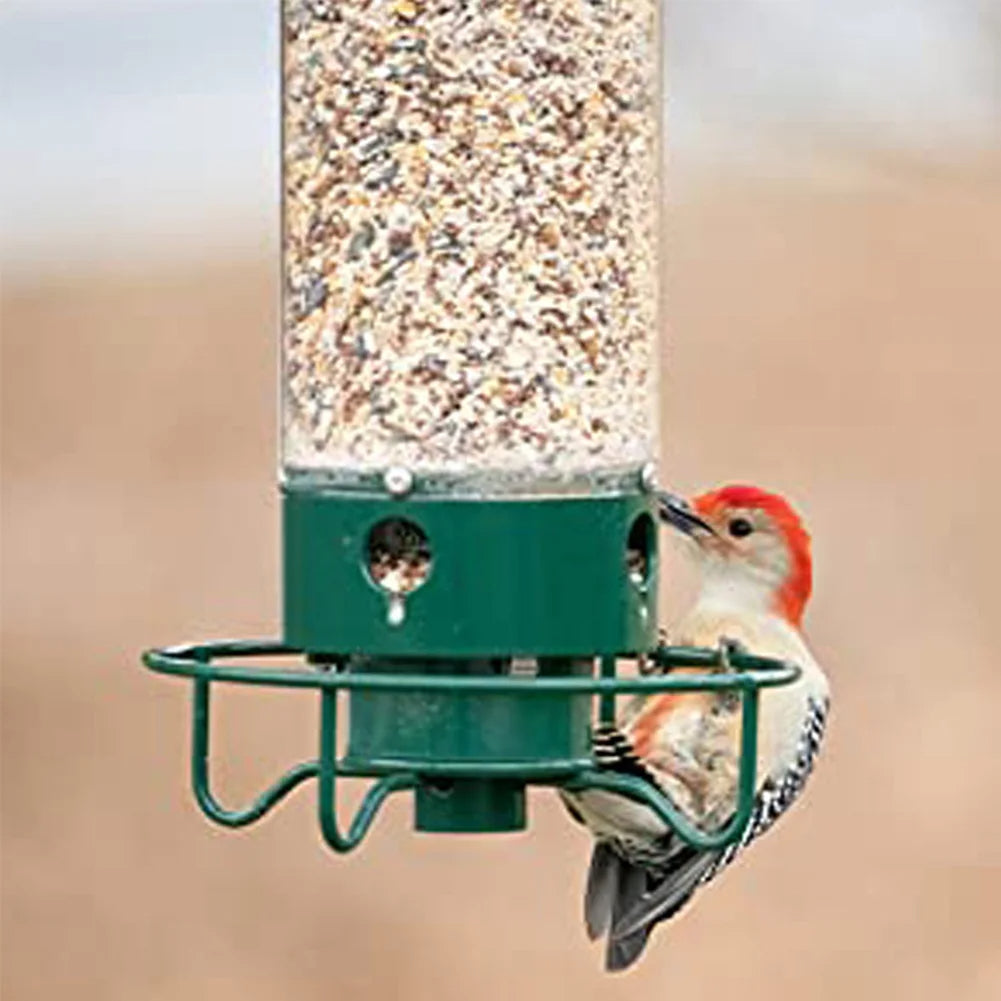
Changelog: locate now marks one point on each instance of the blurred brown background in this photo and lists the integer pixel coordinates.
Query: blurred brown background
(840, 345)
(834, 335)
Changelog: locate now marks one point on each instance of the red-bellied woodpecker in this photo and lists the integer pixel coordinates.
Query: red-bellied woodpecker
(754, 557)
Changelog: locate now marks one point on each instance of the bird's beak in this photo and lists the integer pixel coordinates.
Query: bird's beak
(678, 513)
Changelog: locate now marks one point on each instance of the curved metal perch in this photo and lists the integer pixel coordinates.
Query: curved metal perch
(195, 662)
(211, 807)
(325, 768)
(377, 793)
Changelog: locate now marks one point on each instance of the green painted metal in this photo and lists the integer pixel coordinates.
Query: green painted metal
(376, 795)
(462, 783)
(393, 730)
(198, 660)
(470, 806)
(391, 727)
(514, 576)
(270, 798)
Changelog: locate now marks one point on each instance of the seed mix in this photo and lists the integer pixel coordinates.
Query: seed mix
(470, 228)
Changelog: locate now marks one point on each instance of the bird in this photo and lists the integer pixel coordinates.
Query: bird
(753, 552)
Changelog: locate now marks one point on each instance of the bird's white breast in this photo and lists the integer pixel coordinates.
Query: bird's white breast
(783, 710)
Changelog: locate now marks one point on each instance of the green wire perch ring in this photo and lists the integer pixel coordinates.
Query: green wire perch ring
(743, 673)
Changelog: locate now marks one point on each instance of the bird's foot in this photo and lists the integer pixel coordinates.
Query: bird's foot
(727, 648)
(646, 665)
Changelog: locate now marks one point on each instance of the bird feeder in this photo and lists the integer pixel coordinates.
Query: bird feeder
(469, 410)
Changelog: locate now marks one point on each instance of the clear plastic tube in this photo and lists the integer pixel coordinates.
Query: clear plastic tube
(470, 235)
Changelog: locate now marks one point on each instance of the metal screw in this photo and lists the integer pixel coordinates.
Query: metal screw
(648, 477)
(398, 480)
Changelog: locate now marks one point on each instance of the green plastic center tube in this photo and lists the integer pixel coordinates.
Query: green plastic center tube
(524, 585)
(446, 737)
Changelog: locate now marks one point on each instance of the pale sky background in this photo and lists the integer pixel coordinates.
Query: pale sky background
(138, 127)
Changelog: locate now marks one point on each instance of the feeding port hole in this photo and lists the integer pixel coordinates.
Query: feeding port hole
(398, 555)
(639, 550)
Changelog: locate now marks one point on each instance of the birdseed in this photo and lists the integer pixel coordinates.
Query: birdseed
(470, 228)
(399, 557)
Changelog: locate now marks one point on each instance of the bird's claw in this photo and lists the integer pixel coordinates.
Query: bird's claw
(727, 648)
(648, 665)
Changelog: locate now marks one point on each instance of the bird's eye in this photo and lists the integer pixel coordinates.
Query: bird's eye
(740, 527)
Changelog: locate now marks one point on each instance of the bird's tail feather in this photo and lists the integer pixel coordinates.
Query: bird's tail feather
(624, 950)
(665, 899)
(621, 953)
(602, 890)
(621, 903)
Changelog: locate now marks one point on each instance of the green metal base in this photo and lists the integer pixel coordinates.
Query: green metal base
(452, 748)
(393, 728)
(448, 732)
(509, 577)
(469, 806)
(553, 579)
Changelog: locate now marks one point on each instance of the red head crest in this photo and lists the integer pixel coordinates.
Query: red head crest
(795, 591)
